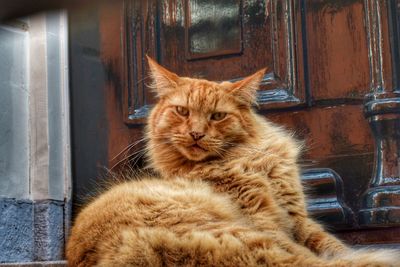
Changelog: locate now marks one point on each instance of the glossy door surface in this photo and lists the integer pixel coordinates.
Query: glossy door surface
(324, 59)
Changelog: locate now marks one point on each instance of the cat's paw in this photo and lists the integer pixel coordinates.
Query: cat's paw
(335, 252)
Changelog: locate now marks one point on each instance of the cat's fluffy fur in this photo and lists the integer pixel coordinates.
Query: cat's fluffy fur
(229, 193)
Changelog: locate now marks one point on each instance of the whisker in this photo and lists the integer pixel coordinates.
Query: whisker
(134, 157)
(128, 156)
(129, 147)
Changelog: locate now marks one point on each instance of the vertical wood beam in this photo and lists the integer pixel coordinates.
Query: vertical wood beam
(381, 202)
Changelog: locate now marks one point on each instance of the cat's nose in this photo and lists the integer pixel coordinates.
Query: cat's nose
(196, 135)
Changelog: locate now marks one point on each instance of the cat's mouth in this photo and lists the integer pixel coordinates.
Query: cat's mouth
(194, 151)
(197, 148)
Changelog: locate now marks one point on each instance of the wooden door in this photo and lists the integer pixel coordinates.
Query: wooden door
(332, 77)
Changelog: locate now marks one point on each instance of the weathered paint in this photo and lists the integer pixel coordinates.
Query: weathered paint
(34, 140)
(54, 77)
(88, 117)
(14, 114)
(330, 50)
(381, 202)
(337, 49)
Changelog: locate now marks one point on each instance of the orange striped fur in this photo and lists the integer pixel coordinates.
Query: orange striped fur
(228, 191)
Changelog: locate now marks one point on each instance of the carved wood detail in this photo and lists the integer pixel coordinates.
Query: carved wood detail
(326, 199)
(381, 202)
(266, 34)
(140, 38)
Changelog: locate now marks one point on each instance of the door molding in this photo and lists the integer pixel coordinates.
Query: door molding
(381, 202)
(146, 27)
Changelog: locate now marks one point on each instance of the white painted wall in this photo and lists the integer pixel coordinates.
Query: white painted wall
(14, 112)
(34, 109)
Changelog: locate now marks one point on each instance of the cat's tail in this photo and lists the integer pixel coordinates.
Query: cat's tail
(153, 246)
(369, 257)
(160, 247)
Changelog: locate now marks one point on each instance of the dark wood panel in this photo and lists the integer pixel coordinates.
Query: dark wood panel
(140, 36)
(336, 137)
(337, 50)
(371, 236)
(89, 122)
(262, 34)
(329, 131)
(379, 31)
(339, 42)
(123, 139)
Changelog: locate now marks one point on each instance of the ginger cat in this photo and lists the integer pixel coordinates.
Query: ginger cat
(229, 193)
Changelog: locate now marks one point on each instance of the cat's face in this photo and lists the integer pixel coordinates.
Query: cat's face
(198, 118)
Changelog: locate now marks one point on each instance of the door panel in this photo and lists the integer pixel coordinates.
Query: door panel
(332, 142)
(322, 56)
(338, 50)
(192, 39)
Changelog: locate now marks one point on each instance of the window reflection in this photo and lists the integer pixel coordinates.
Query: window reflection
(214, 27)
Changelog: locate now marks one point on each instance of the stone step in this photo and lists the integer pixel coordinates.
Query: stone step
(36, 264)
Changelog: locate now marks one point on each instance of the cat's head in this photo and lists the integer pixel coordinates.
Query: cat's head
(198, 118)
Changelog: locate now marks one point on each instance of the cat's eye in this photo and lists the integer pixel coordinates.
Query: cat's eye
(182, 111)
(217, 116)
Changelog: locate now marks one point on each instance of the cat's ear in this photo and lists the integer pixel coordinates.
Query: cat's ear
(164, 81)
(246, 90)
